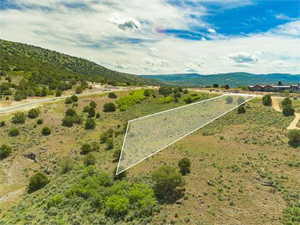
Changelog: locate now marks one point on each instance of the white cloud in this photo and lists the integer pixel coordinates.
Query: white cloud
(124, 35)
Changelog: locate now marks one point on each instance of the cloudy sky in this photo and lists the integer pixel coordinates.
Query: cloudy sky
(163, 36)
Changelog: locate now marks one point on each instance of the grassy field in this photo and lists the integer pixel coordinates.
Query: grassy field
(243, 171)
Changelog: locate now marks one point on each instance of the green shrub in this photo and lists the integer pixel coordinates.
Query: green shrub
(39, 121)
(46, 131)
(85, 149)
(74, 98)
(109, 107)
(166, 181)
(66, 165)
(2, 123)
(104, 136)
(286, 101)
(294, 137)
(13, 132)
(58, 93)
(93, 104)
(86, 108)
(5, 151)
(240, 100)
(116, 155)
(165, 91)
(89, 160)
(109, 144)
(90, 124)
(166, 100)
(92, 112)
(117, 206)
(112, 95)
(78, 90)
(241, 109)
(288, 110)
(68, 100)
(267, 100)
(18, 118)
(133, 98)
(33, 113)
(37, 182)
(184, 166)
(70, 112)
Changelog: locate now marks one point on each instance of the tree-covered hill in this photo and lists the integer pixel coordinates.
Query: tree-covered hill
(38, 68)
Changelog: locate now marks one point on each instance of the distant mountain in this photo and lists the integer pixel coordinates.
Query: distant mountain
(53, 67)
(232, 79)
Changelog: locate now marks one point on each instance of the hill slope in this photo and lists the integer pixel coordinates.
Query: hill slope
(233, 79)
(25, 58)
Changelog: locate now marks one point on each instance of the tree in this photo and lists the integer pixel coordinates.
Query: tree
(109, 107)
(90, 124)
(229, 100)
(37, 182)
(279, 83)
(46, 131)
(13, 132)
(215, 85)
(5, 151)
(112, 95)
(241, 109)
(58, 93)
(39, 121)
(74, 98)
(267, 100)
(92, 112)
(85, 149)
(18, 118)
(33, 113)
(184, 166)
(165, 91)
(166, 181)
(294, 137)
(89, 160)
(68, 121)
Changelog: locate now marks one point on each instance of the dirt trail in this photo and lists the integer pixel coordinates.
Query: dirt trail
(276, 106)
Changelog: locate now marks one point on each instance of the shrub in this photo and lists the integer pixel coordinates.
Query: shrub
(78, 90)
(71, 112)
(89, 160)
(116, 155)
(67, 165)
(184, 166)
(69, 121)
(5, 151)
(39, 121)
(90, 124)
(18, 118)
(33, 113)
(117, 206)
(109, 107)
(109, 144)
(229, 100)
(120, 176)
(93, 104)
(85, 149)
(97, 115)
(58, 93)
(241, 109)
(188, 100)
(92, 112)
(294, 137)
(267, 100)
(104, 136)
(112, 95)
(68, 100)
(288, 110)
(165, 91)
(2, 123)
(166, 181)
(46, 131)
(133, 98)
(166, 100)
(37, 182)
(74, 98)
(148, 92)
(86, 108)
(240, 100)
(13, 132)
(286, 101)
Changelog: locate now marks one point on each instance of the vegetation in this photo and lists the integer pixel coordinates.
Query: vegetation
(46, 131)
(184, 166)
(112, 95)
(14, 132)
(294, 137)
(90, 124)
(287, 108)
(267, 100)
(133, 98)
(18, 118)
(109, 107)
(5, 151)
(37, 182)
(33, 113)
(167, 181)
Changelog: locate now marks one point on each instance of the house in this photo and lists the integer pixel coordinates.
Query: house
(275, 88)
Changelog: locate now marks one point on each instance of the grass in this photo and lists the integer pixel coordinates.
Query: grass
(242, 167)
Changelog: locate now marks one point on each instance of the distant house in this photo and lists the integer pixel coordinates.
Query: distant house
(275, 88)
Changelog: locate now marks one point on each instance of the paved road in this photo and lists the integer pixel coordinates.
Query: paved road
(37, 102)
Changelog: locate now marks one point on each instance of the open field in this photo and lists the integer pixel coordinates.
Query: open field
(243, 170)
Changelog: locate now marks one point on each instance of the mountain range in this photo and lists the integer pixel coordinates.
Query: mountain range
(232, 79)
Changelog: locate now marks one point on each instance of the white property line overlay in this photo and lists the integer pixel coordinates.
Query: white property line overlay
(118, 172)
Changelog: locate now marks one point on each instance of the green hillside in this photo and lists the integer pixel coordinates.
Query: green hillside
(28, 70)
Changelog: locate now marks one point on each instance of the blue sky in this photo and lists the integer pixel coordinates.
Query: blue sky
(163, 36)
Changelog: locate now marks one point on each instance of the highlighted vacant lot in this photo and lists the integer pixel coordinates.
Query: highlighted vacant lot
(148, 135)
